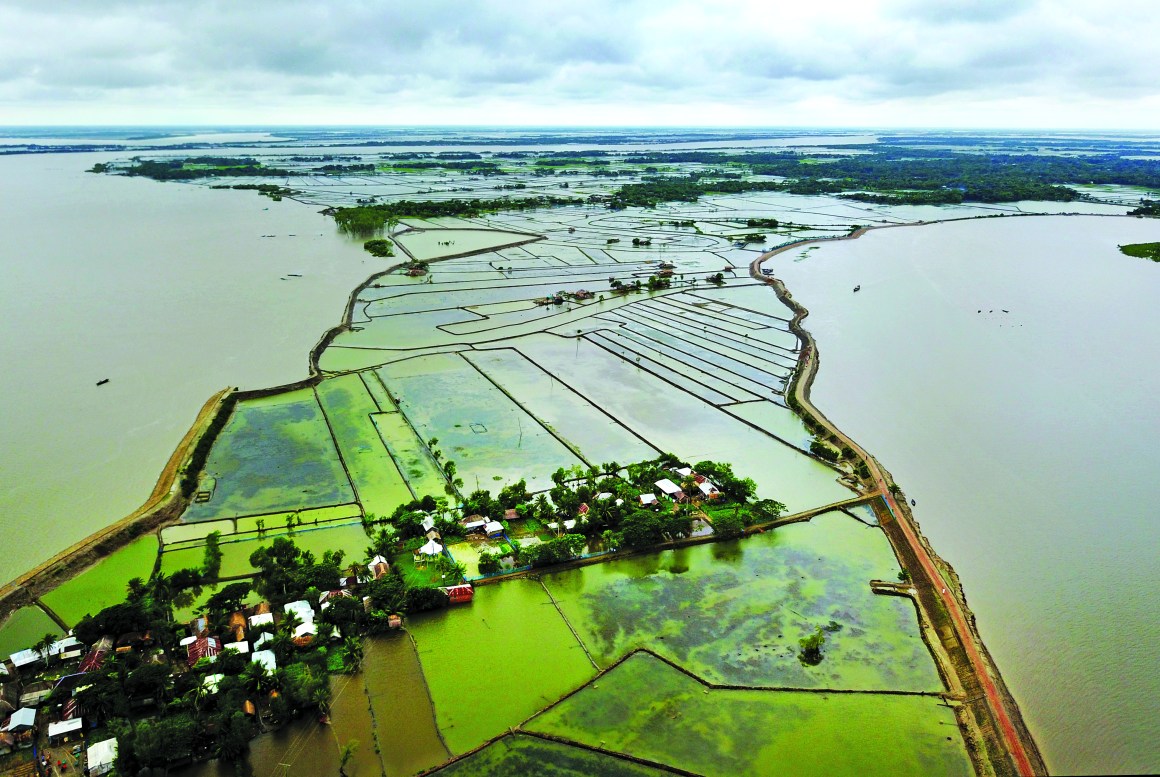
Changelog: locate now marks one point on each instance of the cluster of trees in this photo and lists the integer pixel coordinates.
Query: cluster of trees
(204, 443)
(338, 169)
(380, 247)
(1142, 250)
(1147, 208)
(202, 167)
(478, 168)
(366, 220)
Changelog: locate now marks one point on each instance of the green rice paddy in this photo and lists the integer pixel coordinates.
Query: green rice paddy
(520, 755)
(349, 409)
(104, 583)
(478, 427)
(650, 710)
(24, 628)
(496, 662)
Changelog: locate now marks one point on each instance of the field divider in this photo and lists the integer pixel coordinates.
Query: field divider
(567, 622)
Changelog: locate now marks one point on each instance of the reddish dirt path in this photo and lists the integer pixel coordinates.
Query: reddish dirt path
(994, 699)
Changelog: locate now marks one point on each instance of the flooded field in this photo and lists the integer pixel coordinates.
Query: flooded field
(650, 710)
(496, 663)
(105, 582)
(733, 612)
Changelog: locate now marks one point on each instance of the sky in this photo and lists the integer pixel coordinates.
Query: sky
(1065, 64)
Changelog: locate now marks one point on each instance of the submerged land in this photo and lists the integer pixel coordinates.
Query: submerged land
(547, 319)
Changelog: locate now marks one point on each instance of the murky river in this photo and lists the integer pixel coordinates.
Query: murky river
(1005, 371)
(171, 292)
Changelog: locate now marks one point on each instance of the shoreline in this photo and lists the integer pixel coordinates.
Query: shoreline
(163, 504)
(988, 710)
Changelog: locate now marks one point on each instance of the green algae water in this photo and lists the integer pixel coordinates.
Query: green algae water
(496, 662)
(648, 709)
(1005, 372)
(732, 612)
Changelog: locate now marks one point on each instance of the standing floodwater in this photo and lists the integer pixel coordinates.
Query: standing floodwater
(1005, 372)
(170, 291)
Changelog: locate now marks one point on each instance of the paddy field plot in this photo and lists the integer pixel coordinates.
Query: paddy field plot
(350, 538)
(24, 628)
(273, 454)
(489, 437)
(405, 732)
(105, 583)
(648, 709)
(349, 407)
(495, 663)
(428, 244)
(733, 612)
(583, 427)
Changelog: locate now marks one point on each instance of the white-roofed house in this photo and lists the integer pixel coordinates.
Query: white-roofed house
(302, 609)
(648, 500)
(266, 658)
(22, 720)
(60, 731)
(670, 489)
(102, 756)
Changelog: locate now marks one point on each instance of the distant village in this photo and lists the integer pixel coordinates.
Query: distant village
(131, 687)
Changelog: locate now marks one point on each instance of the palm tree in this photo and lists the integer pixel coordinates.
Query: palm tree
(44, 645)
(352, 654)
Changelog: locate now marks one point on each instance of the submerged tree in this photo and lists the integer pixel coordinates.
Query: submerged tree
(811, 647)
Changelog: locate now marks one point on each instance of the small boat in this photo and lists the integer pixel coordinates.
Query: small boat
(102, 381)
(857, 288)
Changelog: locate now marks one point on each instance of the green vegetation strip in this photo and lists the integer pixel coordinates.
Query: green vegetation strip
(650, 710)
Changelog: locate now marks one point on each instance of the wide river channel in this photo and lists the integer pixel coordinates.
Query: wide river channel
(172, 292)
(1005, 372)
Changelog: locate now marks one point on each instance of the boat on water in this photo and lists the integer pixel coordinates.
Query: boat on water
(102, 381)
(857, 288)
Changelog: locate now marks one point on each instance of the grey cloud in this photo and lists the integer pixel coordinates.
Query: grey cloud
(545, 56)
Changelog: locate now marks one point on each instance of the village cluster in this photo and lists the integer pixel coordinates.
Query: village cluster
(132, 687)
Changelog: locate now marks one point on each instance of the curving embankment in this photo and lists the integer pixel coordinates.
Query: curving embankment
(166, 503)
(997, 737)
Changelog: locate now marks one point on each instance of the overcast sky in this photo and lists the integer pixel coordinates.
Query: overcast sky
(871, 63)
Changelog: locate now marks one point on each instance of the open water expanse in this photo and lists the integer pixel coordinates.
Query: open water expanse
(1027, 435)
(169, 291)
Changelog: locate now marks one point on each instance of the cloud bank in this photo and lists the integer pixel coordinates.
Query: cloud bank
(968, 63)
